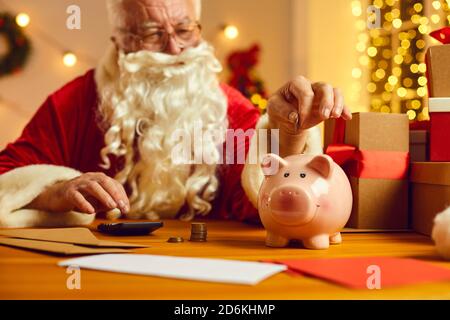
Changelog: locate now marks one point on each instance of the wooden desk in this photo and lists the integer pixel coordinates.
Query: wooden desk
(30, 275)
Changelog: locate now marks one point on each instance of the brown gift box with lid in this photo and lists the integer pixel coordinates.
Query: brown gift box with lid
(438, 64)
(377, 203)
(438, 70)
(430, 193)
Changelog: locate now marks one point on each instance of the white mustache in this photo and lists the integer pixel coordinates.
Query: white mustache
(169, 65)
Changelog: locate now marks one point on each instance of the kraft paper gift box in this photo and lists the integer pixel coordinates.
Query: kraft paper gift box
(438, 65)
(373, 149)
(418, 145)
(430, 193)
(439, 109)
(328, 133)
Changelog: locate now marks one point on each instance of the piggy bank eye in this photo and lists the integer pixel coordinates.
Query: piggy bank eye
(286, 174)
(303, 175)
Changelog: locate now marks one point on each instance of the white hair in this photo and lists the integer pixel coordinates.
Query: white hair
(114, 10)
(155, 96)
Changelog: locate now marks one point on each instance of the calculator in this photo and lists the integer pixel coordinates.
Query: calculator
(129, 228)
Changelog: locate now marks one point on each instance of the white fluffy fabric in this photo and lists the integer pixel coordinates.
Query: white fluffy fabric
(156, 96)
(441, 233)
(21, 186)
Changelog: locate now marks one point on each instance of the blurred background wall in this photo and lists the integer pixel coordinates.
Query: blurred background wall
(315, 38)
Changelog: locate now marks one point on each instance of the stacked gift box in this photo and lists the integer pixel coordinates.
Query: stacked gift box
(419, 140)
(373, 149)
(430, 178)
(387, 158)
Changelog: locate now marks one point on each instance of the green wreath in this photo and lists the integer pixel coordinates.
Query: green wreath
(18, 45)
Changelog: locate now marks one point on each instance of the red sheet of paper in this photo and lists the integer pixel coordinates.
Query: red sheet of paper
(353, 272)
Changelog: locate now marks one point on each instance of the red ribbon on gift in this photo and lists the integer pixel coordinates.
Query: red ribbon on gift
(442, 35)
(420, 125)
(357, 163)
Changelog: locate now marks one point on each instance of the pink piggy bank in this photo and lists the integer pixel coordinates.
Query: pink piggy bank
(305, 198)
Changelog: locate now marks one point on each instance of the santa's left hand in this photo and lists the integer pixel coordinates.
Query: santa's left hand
(300, 105)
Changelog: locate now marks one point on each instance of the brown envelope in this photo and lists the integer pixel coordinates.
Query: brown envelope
(55, 247)
(81, 236)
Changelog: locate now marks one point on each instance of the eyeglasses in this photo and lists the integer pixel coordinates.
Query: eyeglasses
(157, 39)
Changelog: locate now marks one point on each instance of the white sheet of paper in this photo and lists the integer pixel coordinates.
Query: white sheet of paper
(200, 269)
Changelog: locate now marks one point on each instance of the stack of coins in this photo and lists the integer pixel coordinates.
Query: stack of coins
(198, 232)
(175, 240)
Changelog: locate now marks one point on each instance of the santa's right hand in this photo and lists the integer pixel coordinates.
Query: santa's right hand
(93, 192)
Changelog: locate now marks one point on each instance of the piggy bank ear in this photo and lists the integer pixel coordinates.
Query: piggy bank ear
(323, 164)
(271, 164)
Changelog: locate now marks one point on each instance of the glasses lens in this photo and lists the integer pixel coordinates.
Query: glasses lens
(157, 40)
(188, 33)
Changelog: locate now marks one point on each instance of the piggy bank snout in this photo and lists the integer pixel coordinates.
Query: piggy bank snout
(292, 205)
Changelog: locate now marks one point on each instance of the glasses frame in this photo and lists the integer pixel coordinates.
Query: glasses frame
(139, 39)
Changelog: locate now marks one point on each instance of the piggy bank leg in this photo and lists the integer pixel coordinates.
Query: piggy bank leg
(319, 242)
(336, 238)
(276, 241)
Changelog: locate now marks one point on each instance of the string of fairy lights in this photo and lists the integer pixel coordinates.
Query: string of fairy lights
(69, 57)
(391, 64)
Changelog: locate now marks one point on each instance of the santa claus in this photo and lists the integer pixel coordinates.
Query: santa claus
(104, 142)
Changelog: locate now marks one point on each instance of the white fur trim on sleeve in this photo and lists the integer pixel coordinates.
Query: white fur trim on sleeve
(441, 233)
(20, 186)
(252, 175)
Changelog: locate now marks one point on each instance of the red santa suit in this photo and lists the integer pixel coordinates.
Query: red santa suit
(63, 140)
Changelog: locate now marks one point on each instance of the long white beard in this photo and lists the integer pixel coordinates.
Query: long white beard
(155, 95)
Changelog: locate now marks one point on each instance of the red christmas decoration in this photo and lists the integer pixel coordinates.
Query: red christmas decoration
(243, 77)
(19, 46)
(442, 35)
